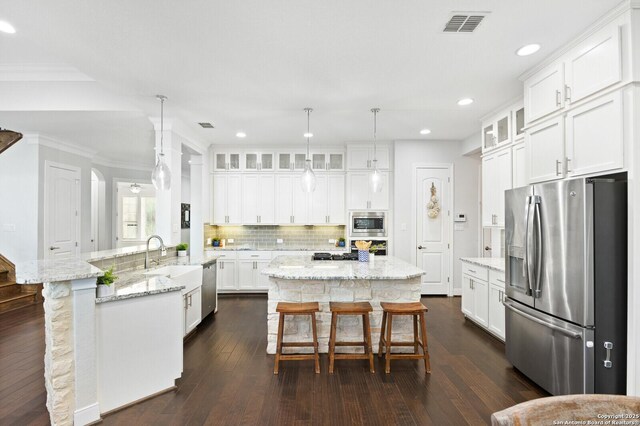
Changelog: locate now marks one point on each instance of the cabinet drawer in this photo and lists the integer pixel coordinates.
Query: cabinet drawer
(226, 255)
(475, 271)
(496, 278)
(254, 255)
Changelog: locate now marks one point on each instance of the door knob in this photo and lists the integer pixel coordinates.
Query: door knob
(53, 248)
(420, 247)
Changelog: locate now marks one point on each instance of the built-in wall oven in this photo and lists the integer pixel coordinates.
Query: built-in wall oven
(367, 225)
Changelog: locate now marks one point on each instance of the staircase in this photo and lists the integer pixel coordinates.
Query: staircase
(8, 138)
(12, 295)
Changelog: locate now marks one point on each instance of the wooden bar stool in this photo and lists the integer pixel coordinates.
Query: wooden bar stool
(415, 309)
(286, 308)
(358, 308)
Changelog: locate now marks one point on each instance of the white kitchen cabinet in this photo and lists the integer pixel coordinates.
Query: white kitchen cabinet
(594, 65)
(517, 121)
(227, 208)
(519, 159)
(594, 136)
(360, 157)
(226, 161)
(496, 308)
(475, 296)
(361, 197)
(468, 302)
(543, 92)
(496, 179)
(226, 274)
(291, 160)
(327, 201)
(292, 203)
(258, 199)
(330, 160)
(545, 150)
(192, 310)
(497, 132)
(250, 266)
(255, 161)
(300, 202)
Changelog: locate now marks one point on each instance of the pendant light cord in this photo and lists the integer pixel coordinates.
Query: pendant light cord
(308, 131)
(375, 136)
(162, 98)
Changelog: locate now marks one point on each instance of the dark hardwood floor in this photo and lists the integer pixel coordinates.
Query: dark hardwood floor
(228, 378)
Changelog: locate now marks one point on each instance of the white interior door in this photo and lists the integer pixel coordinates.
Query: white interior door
(61, 211)
(433, 236)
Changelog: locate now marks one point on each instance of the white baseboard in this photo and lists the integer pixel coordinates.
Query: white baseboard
(87, 415)
(457, 292)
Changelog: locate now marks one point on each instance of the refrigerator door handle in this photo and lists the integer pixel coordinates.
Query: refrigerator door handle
(527, 247)
(541, 322)
(537, 219)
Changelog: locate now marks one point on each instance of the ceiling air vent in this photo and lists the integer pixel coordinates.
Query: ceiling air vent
(206, 125)
(464, 22)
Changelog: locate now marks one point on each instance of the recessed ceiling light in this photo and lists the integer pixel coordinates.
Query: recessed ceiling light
(241, 135)
(425, 131)
(6, 27)
(527, 50)
(308, 135)
(465, 101)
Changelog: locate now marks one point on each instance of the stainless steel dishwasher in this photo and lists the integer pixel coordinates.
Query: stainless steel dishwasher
(209, 290)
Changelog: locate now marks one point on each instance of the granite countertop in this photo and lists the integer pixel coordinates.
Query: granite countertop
(48, 271)
(304, 268)
(495, 263)
(119, 252)
(275, 248)
(130, 285)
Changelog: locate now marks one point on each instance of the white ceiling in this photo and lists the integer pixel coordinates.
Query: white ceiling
(253, 65)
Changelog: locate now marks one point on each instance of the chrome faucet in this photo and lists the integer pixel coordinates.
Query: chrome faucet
(163, 250)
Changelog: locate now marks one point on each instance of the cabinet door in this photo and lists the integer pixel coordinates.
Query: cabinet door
(245, 274)
(319, 199)
(234, 199)
(503, 129)
(285, 161)
(193, 312)
(319, 161)
(518, 123)
(300, 203)
(383, 156)
(358, 191)
(299, 160)
(519, 159)
(595, 136)
(467, 296)
(488, 136)
(284, 199)
(219, 199)
(267, 196)
(496, 311)
(489, 183)
(233, 161)
(481, 302)
(226, 274)
(358, 157)
(251, 161)
(545, 151)
(266, 161)
(543, 92)
(380, 200)
(220, 162)
(336, 200)
(336, 161)
(504, 183)
(250, 199)
(261, 282)
(594, 65)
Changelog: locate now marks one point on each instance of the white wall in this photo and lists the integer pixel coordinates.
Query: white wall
(185, 194)
(466, 196)
(472, 144)
(19, 201)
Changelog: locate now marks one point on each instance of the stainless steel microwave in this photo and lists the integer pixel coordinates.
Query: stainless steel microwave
(368, 224)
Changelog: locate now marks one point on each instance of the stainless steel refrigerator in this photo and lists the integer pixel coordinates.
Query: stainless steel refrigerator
(566, 284)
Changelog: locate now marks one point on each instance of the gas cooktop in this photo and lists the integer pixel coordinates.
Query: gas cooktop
(329, 256)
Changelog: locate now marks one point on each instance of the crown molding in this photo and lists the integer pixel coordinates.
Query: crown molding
(509, 104)
(49, 142)
(41, 72)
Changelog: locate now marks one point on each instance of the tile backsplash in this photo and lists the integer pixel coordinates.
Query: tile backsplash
(264, 237)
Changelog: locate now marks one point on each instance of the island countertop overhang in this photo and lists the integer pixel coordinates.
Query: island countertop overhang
(305, 268)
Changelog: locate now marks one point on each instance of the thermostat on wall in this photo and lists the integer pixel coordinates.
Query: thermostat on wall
(460, 217)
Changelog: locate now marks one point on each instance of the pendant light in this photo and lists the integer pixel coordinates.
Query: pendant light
(376, 176)
(135, 188)
(308, 177)
(161, 175)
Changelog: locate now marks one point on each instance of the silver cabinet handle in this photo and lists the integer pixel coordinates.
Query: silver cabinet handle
(607, 362)
(567, 160)
(558, 98)
(567, 93)
(558, 171)
(541, 322)
(189, 300)
(470, 270)
(255, 255)
(53, 248)
(499, 280)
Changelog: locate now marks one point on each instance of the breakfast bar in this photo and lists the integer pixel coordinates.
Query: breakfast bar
(302, 279)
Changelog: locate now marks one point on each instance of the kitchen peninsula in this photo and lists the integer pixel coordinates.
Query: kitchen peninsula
(302, 279)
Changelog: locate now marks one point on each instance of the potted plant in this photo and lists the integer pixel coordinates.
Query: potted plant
(182, 249)
(216, 242)
(373, 250)
(105, 287)
(341, 242)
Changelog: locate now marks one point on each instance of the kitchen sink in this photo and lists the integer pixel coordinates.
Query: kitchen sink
(188, 275)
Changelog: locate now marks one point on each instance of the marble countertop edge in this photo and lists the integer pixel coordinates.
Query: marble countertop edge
(494, 263)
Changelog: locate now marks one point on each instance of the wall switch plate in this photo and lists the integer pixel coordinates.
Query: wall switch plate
(331, 241)
(279, 241)
(208, 241)
(231, 241)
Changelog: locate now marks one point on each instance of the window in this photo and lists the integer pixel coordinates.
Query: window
(136, 213)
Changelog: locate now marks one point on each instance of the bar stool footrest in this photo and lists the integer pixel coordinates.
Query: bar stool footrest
(297, 344)
(351, 343)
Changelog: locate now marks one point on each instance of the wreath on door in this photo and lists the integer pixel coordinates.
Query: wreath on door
(433, 206)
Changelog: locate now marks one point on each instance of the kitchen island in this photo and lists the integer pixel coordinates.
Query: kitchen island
(301, 279)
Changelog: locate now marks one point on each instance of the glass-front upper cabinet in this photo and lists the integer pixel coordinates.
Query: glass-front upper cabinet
(258, 161)
(518, 131)
(330, 161)
(226, 161)
(496, 132)
(488, 137)
(290, 161)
